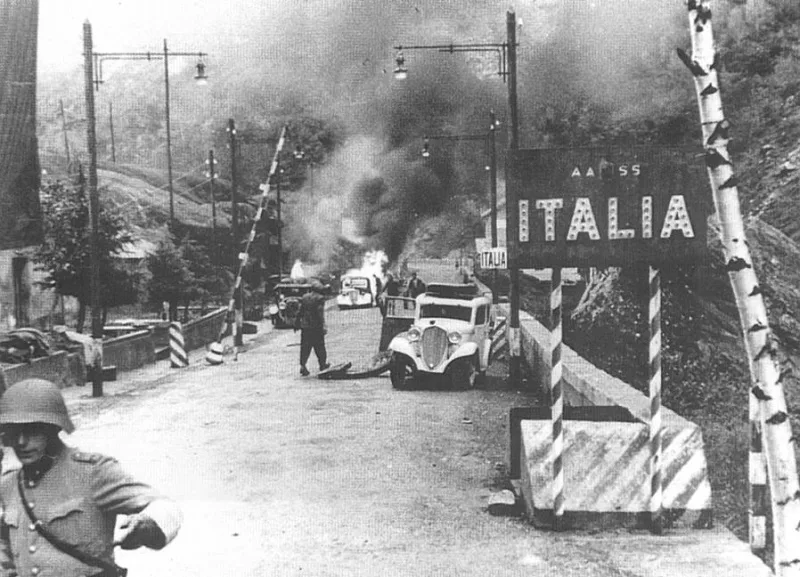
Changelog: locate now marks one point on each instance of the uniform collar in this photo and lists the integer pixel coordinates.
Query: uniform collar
(34, 472)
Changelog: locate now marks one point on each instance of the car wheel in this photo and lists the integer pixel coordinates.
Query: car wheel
(463, 374)
(400, 372)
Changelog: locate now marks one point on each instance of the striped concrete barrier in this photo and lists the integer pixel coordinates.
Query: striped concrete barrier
(499, 347)
(587, 388)
(606, 471)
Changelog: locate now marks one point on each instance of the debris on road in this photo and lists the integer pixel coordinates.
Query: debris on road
(503, 503)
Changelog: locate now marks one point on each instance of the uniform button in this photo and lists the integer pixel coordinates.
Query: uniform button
(32, 527)
(31, 484)
(34, 570)
(32, 548)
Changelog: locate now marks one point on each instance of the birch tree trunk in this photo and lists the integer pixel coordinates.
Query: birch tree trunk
(759, 343)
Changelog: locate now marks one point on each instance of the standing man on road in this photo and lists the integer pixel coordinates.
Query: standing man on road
(311, 322)
(60, 508)
(415, 286)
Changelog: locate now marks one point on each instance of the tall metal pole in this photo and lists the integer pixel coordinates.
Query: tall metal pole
(514, 361)
(64, 129)
(493, 176)
(94, 210)
(234, 183)
(238, 296)
(280, 221)
(169, 138)
(111, 128)
(212, 175)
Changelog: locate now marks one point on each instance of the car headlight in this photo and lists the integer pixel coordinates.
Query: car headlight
(414, 334)
(282, 306)
(454, 337)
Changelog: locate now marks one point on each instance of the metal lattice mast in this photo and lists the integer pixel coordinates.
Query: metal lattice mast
(759, 343)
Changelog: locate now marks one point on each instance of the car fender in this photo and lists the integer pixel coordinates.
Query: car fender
(465, 350)
(401, 345)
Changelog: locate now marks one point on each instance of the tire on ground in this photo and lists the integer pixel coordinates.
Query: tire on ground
(400, 372)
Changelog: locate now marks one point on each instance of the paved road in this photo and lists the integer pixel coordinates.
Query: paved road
(283, 475)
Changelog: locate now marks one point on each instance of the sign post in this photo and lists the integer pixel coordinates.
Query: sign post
(601, 207)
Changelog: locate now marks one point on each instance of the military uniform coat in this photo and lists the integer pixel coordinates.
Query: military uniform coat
(78, 499)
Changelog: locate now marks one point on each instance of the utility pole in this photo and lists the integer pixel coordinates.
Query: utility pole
(64, 129)
(514, 361)
(111, 127)
(493, 178)
(280, 221)
(94, 210)
(239, 297)
(169, 142)
(212, 174)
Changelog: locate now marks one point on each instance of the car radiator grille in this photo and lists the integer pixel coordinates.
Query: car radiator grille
(434, 346)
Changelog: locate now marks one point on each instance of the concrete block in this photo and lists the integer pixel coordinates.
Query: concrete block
(606, 474)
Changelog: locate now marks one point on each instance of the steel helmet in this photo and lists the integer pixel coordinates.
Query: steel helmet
(35, 401)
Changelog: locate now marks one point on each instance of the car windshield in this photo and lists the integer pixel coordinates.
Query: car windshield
(439, 311)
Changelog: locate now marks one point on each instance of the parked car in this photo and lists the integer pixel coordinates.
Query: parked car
(287, 295)
(450, 338)
(356, 291)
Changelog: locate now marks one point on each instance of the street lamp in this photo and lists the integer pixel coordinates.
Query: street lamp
(490, 137)
(200, 77)
(401, 71)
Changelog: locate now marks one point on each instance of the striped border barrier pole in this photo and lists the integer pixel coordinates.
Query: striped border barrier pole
(654, 373)
(177, 350)
(557, 401)
(243, 256)
(757, 475)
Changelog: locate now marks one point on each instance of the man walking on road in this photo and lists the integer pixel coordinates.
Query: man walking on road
(76, 495)
(311, 322)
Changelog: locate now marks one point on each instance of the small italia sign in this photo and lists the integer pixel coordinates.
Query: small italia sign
(494, 258)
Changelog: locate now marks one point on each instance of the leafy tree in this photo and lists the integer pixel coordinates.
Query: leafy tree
(172, 279)
(65, 253)
(212, 281)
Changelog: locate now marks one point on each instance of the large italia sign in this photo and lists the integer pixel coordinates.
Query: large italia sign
(607, 206)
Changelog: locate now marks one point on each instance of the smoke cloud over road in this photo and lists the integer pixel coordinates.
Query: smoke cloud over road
(334, 59)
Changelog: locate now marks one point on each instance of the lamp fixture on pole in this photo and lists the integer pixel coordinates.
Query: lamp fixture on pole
(401, 71)
(200, 77)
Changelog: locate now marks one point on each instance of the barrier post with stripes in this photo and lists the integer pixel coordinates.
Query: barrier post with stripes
(230, 318)
(654, 375)
(556, 399)
(177, 350)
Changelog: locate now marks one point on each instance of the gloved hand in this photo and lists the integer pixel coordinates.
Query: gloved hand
(139, 531)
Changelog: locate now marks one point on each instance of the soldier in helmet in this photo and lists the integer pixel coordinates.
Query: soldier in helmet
(60, 507)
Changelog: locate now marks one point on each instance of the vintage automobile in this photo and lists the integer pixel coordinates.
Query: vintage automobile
(287, 294)
(450, 337)
(356, 291)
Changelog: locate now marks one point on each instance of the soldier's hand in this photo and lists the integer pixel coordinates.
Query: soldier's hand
(139, 531)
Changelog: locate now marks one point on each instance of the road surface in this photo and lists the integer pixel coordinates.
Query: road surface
(290, 476)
